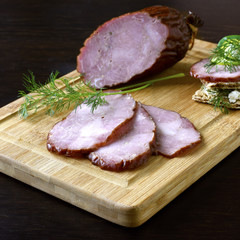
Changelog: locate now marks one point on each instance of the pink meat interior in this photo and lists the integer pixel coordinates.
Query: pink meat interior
(217, 73)
(174, 132)
(84, 129)
(122, 48)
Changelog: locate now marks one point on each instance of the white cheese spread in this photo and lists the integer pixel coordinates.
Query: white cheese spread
(234, 96)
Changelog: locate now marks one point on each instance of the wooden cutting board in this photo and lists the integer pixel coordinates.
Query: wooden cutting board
(128, 198)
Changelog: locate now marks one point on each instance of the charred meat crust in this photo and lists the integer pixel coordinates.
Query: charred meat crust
(179, 33)
(124, 164)
(177, 42)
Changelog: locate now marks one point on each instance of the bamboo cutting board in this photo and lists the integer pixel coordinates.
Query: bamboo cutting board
(128, 198)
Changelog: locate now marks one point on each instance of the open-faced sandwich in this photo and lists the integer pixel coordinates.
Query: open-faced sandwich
(220, 75)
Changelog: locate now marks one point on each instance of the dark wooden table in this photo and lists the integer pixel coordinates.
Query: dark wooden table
(46, 35)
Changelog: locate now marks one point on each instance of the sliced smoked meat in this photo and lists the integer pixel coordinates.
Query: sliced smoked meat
(173, 132)
(134, 45)
(83, 131)
(132, 149)
(217, 74)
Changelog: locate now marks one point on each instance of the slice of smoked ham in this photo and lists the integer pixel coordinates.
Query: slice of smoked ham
(134, 45)
(216, 74)
(173, 132)
(132, 149)
(83, 131)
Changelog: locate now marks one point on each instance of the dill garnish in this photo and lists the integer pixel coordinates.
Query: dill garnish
(219, 102)
(59, 94)
(226, 53)
(219, 98)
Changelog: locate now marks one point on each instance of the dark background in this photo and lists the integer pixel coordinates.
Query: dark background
(44, 36)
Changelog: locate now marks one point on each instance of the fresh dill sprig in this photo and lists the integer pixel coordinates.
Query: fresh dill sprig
(57, 94)
(219, 99)
(60, 94)
(226, 53)
(219, 103)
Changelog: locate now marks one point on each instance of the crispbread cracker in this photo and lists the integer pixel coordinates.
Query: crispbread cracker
(222, 85)
(201, 96)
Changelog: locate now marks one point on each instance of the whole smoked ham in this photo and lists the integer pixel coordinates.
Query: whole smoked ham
(134, 45)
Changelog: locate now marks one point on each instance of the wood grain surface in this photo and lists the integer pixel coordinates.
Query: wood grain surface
(131, 197)
(46, 35)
